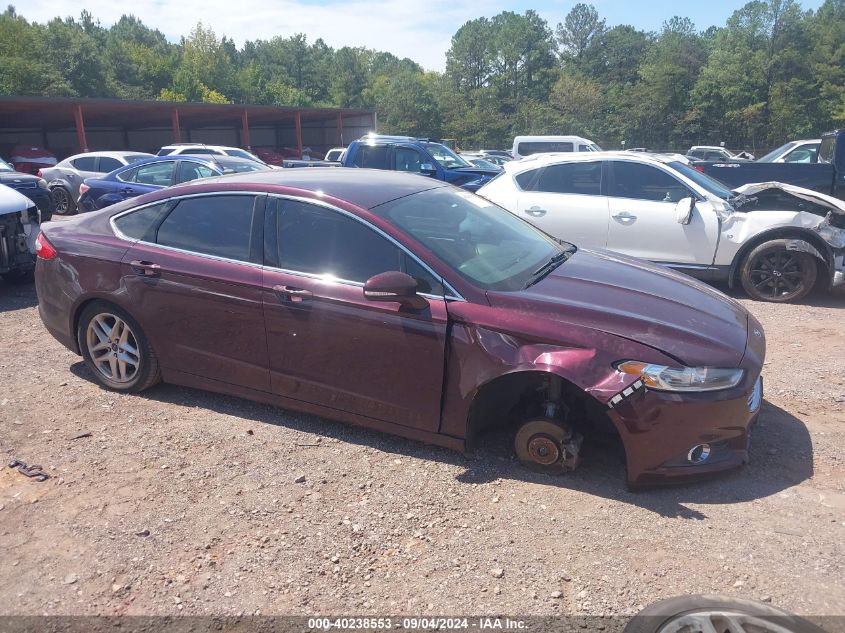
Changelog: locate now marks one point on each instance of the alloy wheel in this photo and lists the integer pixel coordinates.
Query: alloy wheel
(778, 274)
(113, 347)
(61, 200)
(713, 621)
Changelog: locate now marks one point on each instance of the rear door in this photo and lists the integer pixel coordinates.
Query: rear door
(643, 199)
(146, 178)
(565, 200)
(195, 283)
(330, 346)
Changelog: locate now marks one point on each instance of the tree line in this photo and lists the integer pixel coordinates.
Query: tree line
(773, 72)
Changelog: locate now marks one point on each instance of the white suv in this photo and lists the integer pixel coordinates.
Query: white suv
(197, 149)
(775, 239)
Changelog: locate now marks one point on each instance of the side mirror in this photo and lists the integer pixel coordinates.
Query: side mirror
(428, 169)
(683, 210)
(394, 286)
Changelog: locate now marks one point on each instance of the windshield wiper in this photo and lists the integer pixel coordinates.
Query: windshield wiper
(740, 200)
(549, 266)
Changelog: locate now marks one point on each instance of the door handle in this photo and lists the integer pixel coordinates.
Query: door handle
(147, 269)
(293, 294)
(127, 190)
(624, 215)
(535, 211)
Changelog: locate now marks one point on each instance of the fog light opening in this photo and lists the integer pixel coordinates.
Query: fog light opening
(699, 454)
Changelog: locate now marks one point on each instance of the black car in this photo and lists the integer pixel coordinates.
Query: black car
(32, 187)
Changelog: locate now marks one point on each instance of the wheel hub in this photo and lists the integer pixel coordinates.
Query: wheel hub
(543, 450)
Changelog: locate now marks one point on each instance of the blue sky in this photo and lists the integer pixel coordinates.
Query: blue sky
(419, 30)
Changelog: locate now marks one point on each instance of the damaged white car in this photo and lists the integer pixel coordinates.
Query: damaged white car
(19, 226)
(778, 241)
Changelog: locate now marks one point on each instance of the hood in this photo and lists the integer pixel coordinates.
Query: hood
(477, 171)
(12, 202)
(830, 203)
(639, 301)
(13, 178)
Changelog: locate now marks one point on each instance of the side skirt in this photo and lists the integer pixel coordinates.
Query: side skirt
(197, 382)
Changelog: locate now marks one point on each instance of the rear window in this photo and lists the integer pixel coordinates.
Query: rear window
(575, 178)
(86, 163)
(109, 164)
(141, 224)
(826, 149)
(221, 226)
(528, 148)
(372, 156)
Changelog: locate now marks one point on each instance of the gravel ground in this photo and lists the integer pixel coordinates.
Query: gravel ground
(182, 501)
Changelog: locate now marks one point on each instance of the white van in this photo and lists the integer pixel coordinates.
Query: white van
(528, 145)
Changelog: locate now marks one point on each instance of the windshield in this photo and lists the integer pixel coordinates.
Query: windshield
(444, 156)
(481, 242)
(244, 154)
(4, 166)
(237, 166)
(708, 183)
(775, 153)
(594, 148)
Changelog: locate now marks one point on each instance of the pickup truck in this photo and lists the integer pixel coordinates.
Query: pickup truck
(416, 155)
(827, 176)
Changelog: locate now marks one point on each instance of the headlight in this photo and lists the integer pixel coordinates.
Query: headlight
(663, 378)
(42, 183)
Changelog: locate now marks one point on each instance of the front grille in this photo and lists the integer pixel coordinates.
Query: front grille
(756, 397)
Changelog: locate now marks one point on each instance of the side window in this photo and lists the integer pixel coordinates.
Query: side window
(109, 164)
(141, 224)
(86, 163)
(219, 225)
(645, 182)
(160, 174)
(320, 241)
(189, 170)
(406, 159)
(527, 180)
(528, 148)
(372, 156)
(128, 175)
(578, 178)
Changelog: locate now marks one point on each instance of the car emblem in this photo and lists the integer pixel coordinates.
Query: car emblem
(758, 333)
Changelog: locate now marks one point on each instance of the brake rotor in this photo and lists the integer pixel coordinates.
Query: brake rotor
(543, 449)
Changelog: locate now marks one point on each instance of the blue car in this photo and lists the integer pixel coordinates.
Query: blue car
(156, 173)
(416, 155)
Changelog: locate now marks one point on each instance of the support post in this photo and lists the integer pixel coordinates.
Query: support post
(297, 120)
(340, 128)
(80, 128)
(245, 131)
(177, 130)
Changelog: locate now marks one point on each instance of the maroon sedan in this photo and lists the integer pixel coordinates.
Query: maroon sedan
(409, 306)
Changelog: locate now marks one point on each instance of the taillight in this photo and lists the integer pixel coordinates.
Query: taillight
(43, 248)
(83, 188)
(698, 168)
(39, 174)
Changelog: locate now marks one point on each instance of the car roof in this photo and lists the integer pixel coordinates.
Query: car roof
(113, 154)
(366, 188)
(541, 160)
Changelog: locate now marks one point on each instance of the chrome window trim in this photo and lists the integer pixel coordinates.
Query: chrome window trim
(450, 293)
(449, 290)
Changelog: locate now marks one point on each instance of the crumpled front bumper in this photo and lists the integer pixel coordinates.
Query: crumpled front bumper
(664, 432)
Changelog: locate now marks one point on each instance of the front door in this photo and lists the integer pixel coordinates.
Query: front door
(643, 199)
(330, 346)
(195, 283)
(565, 201)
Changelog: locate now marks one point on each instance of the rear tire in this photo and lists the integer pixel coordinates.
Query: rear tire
(770, 272)
(63, 203)
(547, 446)
(115, 349)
